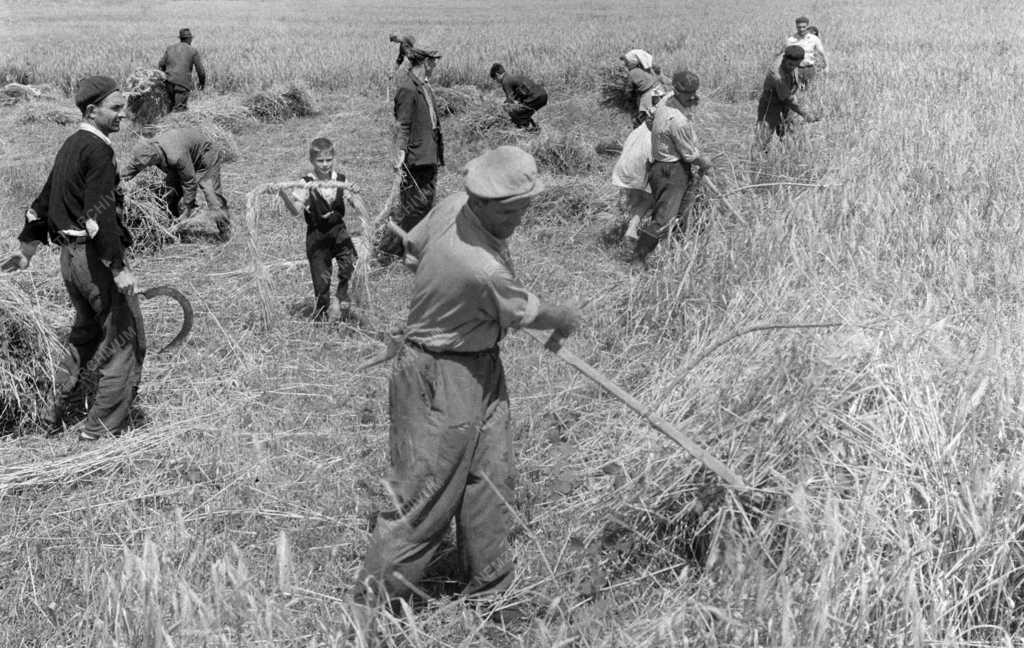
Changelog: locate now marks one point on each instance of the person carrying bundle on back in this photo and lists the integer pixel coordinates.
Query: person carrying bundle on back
(191, 163)
(523, 97)
(327, 236)
(643, 82)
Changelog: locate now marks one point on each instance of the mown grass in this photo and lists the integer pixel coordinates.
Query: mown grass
(884, 453)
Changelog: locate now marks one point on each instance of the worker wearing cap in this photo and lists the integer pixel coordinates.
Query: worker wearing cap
(420, 148)
(814, 52)
(778, 97)
(523, 97)
(191, 162)
(451, 447)
(677, 162)
(177, 63)
(79, 208)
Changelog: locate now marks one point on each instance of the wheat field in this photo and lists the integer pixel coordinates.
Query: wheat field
(883, 452)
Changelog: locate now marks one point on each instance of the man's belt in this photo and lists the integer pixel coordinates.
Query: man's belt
(68, 236)
(458, 354)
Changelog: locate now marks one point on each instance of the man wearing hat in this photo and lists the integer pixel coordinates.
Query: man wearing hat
(451, 448)
(778, 97)
(405, 45)
(419, 145)
(80, 210)
(191, 162)
(677, 161)
(814, 51)
(177, 63)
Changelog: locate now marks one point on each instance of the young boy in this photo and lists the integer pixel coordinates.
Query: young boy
(327, 237)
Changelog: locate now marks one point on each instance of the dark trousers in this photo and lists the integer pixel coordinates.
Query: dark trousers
(674, 192)
(451, 456)
(323, 247)
(177, 96)
(522, 114)
(103, 362)
(416, 198)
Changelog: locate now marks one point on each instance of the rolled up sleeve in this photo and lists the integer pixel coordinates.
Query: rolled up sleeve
(514, 306)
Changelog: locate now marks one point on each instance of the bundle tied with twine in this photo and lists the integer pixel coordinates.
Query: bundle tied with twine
(29, 349)
(277, 105)
(359, 287)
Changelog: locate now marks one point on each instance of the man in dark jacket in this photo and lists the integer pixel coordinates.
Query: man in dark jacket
(192, 163)
(80, 209)
(777, 97)
(177, 63)
(420, 148)
(523, 97)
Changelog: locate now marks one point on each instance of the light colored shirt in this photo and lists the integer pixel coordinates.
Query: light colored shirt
(465, 295)
(811, 45)
(630, 170)
(89, 128)
(672, 134)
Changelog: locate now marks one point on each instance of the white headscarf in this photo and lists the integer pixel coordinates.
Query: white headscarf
(639, 57)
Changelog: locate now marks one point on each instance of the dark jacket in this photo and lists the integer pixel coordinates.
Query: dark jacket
(184, 154)
(524, 90)
(416, 134)
(323, 214)
(776, 97)
(177, 63)
(82, 184)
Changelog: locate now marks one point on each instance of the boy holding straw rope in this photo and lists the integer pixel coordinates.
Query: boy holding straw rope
(327, 235)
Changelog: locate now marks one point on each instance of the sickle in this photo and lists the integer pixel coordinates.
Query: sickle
(186, 312)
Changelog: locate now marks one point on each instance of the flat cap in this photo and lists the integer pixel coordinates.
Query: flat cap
(184, 32)
(685, 81)
(794, 53)
(93, 90)
(503, 173)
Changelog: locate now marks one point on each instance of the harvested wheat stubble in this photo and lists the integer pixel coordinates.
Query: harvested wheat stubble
(47, 111)
(146, 92)
(563, 153)
(29, 348)
(278, 105)
(457, 99)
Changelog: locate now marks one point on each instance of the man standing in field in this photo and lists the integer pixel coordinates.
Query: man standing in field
(678, 162)
(777, 98)
(523, 97)
(420, 148)
(191, 163)
(80, 209)
(814, 52)
(451, 447)
(177, 63)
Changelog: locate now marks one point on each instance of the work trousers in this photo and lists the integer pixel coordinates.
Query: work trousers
(207, 170)
(451, 456)
(416, 198)
(103, 361)
(323, 248)
(177, 96)
(674, 192)
(522, 114)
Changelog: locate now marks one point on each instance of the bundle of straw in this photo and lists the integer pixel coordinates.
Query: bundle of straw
(278, 105)
(260, 276)
(146, 215)
(222, 139)
(146, 91)
(29, 349)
